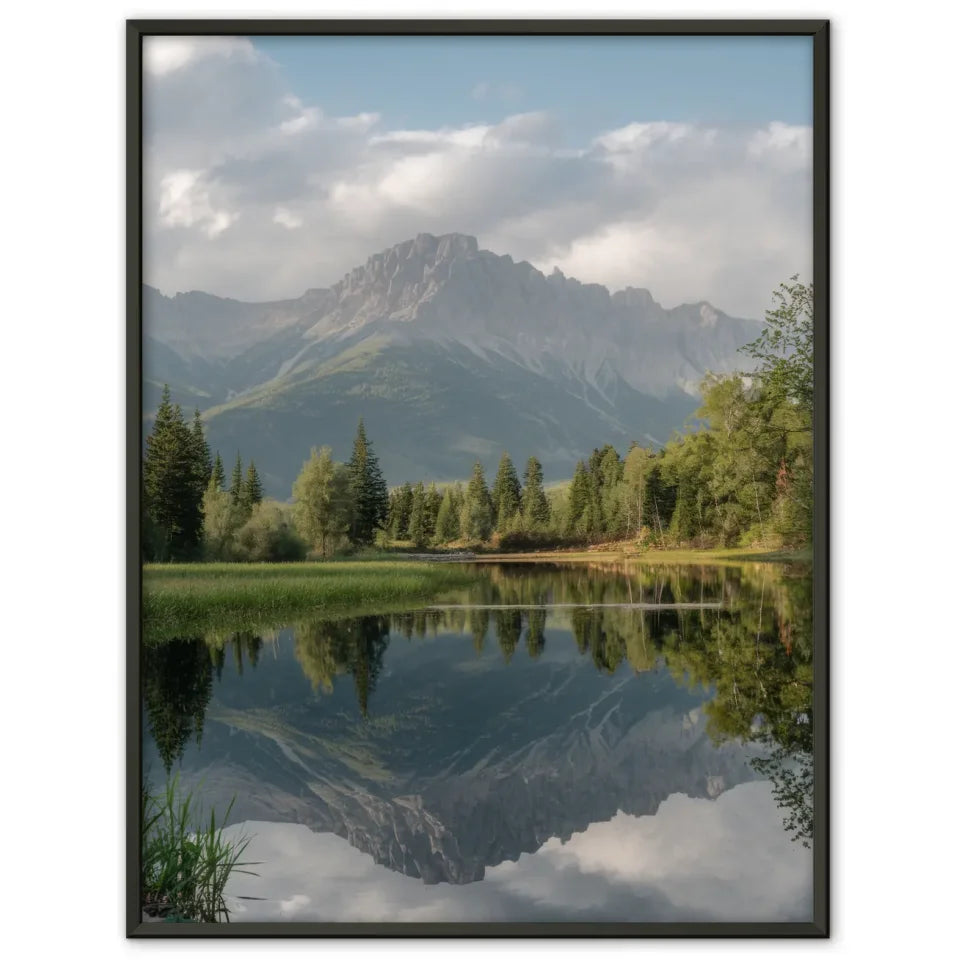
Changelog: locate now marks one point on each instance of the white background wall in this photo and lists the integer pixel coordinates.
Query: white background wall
(895, 363)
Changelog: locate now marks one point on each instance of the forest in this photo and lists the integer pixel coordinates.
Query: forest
(741, 474)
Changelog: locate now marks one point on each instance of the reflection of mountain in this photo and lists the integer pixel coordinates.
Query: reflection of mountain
(465, 762)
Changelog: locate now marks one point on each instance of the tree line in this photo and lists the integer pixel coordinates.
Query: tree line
(742, 474)
(189, 511)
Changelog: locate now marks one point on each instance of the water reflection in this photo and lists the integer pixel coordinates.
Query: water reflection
(578, 692)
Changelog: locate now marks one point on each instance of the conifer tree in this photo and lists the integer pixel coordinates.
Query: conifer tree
(368, 490)
(400, 502)
(506, 493)
(476, 516)
(579, 498)
(172, 502)
(534, 504)
(217, 475)
(202, 466)
(252, 492)
(417, 529)
(431, 505)
(236, 480)
(448, 517)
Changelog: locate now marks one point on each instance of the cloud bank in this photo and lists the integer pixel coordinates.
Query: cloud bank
(251, 193)
(695, 859)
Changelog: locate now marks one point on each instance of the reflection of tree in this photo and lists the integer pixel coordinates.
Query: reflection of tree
(758, 657)
(177, 683)
(479, 621)
(536, 641)
(509, 625)
(330, 648)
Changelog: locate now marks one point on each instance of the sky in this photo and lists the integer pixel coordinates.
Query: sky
(683, 165)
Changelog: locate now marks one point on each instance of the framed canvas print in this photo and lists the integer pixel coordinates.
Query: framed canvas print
(477, 453)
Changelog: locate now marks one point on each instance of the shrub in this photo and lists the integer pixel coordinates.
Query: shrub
(268, 536)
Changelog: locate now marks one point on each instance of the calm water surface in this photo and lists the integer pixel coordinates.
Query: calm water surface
(583, 743)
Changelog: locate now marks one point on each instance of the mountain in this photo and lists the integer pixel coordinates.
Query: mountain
(450, 353)
(464, 762)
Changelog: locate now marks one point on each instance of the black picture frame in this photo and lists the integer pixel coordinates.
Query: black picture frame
(819, 31)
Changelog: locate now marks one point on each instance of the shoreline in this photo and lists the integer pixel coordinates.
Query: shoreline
(731, 555)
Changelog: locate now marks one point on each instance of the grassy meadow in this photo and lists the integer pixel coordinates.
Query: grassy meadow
(192, 598)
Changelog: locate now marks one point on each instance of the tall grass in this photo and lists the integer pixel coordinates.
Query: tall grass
(185, 860)
(180, 599)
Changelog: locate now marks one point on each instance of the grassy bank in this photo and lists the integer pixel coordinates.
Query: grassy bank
(193, 598)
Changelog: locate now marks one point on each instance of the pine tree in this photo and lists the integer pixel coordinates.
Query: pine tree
(217, 475)
(533, 502)
(236, 480)
(202, 466)
(400, 502)
(506, 493)
(431, 506)
(251, 492)
(368, 489)
(476, 516)
(172, 502)
(417, 529)
(579, 498)
(448, 517)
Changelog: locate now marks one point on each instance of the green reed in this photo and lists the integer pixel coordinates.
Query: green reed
(185, 858)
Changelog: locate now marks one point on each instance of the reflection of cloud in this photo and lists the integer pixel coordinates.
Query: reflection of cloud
(691, 212)
(726, 859)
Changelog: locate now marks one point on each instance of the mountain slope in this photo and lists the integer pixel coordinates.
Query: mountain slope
(449, 352)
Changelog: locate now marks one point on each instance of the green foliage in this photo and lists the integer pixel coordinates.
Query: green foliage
(432, 500)
(448, 514)
(185, 859)
(268, 535)
(251, 493)
(236, 480)
(323, 505)
(505, 495)
(581, 508)
(418, 529)
(172, 489)
(476, 515)
(202, 465)
(637, 468)
(398, 511)
(785, 347)
(367, 489)
(222, 518)
(218, 477)
(533, 501)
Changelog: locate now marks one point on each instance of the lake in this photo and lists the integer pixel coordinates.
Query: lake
(621, 742)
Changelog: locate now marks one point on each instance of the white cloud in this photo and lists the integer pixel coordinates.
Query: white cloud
(782, 138)
(690, 212)
(162, 55)
(185, 202)
(287, 219)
